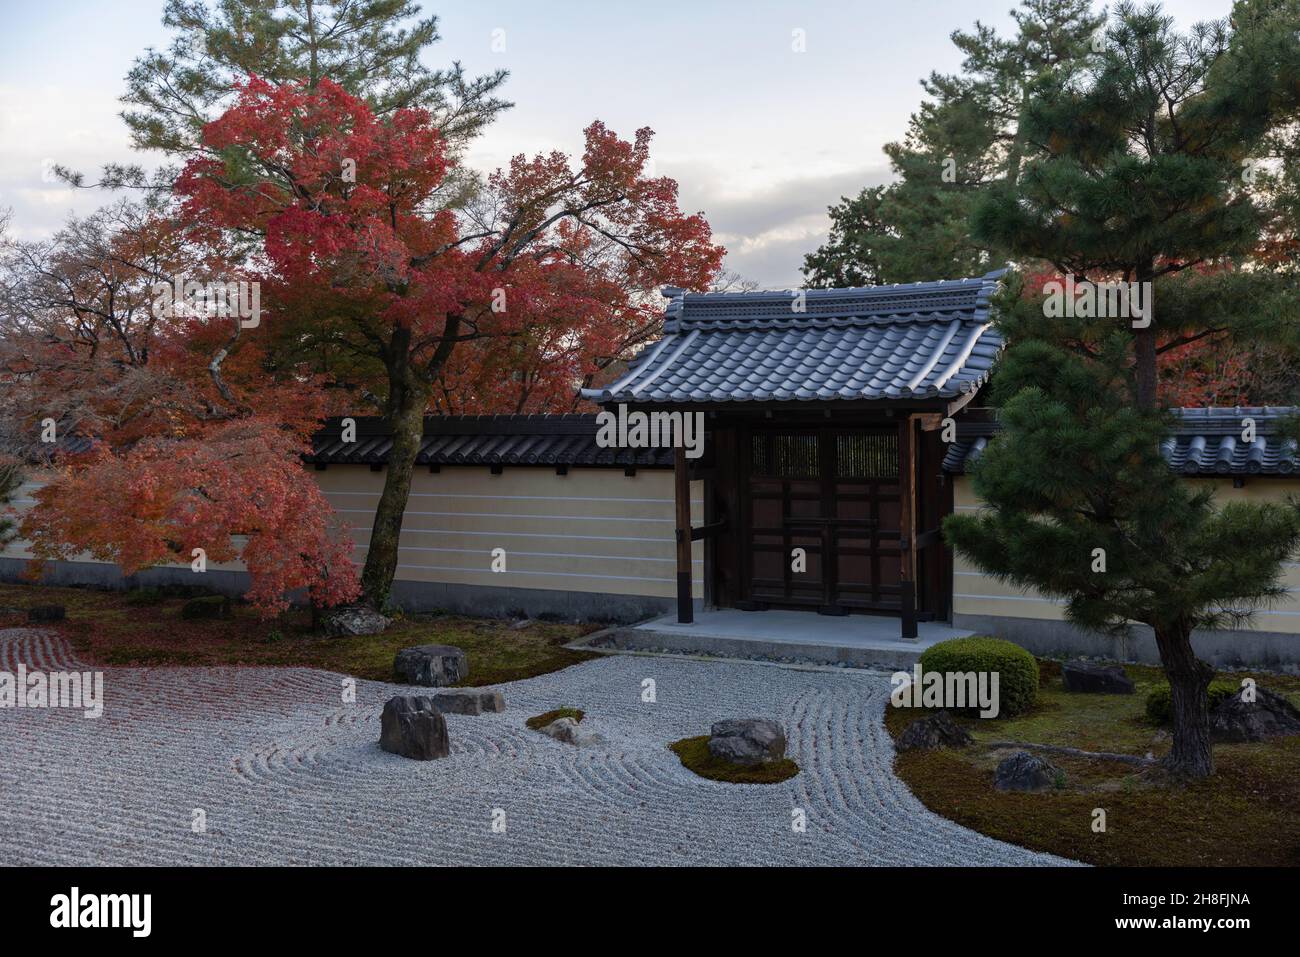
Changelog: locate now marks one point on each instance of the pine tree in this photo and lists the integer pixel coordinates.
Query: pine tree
(964, 138)
(371, 48)
(1139, 163)
(1084, 509)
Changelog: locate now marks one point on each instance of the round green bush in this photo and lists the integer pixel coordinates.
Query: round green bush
(1158, 705)
(1016, 668)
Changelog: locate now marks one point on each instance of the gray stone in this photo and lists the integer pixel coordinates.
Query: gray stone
(351, 620)
(413, 727)
(46, 613)
(1093, 677)
(933, 731)
(469, 701)
(1269, 716)
(207, 608)
(571, 732)
(521, 624)
(747, 740)
(1025, 772)
(433, 666)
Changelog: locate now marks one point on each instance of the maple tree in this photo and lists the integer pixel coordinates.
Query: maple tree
(182, 453)
(374, 283)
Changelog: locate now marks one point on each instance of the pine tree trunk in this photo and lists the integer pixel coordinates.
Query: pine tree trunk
(406, 421)
(1189, 682)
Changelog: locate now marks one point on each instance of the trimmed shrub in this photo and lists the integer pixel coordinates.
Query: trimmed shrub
(1017, 669)
(1158, 704)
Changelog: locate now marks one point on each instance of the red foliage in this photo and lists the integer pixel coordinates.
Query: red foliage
(551, 273)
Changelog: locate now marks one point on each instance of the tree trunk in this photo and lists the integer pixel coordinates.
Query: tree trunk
(407, 405)
(1189, 682)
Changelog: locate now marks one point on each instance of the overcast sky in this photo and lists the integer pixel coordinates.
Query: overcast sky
(761, 137)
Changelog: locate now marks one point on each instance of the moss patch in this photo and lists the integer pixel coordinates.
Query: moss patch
(542, 720)
(694, 755)
(1243, 815)
(116, 628)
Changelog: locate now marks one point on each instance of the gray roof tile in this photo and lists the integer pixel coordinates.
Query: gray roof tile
(486, 440)
(918, 341)
(1204, 441)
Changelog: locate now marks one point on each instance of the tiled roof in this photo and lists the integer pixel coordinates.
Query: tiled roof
(486, 440)
(1206, 441)
(918, 341)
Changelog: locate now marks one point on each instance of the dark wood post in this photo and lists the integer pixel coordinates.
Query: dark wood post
(682, 494)
(907, 525)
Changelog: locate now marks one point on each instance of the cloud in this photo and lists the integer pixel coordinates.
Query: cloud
(767, 229)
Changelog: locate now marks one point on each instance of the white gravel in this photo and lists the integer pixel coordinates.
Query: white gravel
(287, 773)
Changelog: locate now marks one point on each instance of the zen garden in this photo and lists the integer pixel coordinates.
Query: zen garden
(356, 487)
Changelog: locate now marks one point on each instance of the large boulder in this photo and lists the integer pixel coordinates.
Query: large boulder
(933, 731)
(351, 620)
(413, 727)
(1092, 677)
(432, 666)
(47, 613)
(1025, 772)
(747, 741)
(571, 732)
(469, 701)
(1268, 716)
(207, 608)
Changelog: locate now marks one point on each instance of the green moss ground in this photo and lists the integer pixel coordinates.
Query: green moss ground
(1247, 814)
(134, 629)
(694, 755)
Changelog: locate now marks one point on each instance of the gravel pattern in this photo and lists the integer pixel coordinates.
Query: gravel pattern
(286, 772)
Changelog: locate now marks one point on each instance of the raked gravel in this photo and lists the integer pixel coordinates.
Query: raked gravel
(286, 772)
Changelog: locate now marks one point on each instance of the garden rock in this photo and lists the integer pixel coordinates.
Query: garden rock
(469, 701)
(433, 666)
(747, 740)
(933, 731)
(413, 727)
(1025, 772)
(571, 732)
(46, 613)
(207, 608)
(1091, 677)
(353, 620)
(1268, 716)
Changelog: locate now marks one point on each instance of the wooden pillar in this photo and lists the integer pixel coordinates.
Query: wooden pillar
(907, 525)
(682, 494)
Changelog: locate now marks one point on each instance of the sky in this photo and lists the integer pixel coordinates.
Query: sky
(760, 136)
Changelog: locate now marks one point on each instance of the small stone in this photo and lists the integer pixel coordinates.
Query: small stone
(469, 701)
(933, 731)
(207, 608)
(571, 732)
(1269, 716)
(522, 624)
(1025, 772)
(433, 666)
(351, 620)
(747, 741)
(47, 613)
(1091, 677)
(413, 727)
